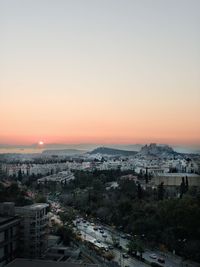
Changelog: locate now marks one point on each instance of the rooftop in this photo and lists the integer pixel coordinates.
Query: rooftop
(178, 174)
(36, 206)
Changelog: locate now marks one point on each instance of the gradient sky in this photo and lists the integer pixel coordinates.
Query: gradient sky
(107, 71)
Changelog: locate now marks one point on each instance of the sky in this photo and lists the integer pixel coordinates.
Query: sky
(108, 71)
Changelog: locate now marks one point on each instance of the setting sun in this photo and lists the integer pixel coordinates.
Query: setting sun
(41, 143)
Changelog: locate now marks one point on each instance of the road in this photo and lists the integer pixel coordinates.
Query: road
(88, 233)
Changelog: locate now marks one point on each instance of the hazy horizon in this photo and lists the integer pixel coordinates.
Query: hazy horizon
(35, 148)
(100, 72)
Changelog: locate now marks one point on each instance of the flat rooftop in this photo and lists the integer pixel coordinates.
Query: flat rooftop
(44, 263)
(178, 174)
(36, 206)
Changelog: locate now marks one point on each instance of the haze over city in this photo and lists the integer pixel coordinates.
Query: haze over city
(99, 72)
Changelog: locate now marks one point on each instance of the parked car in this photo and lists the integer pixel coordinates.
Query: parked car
(153, 256)
(124, 255)
(104, 235)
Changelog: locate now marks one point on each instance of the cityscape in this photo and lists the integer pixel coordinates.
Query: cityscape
(100, 133)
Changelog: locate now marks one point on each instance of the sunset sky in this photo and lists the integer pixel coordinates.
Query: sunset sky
(107, 71)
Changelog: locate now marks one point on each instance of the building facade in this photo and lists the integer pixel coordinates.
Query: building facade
(9, 233)
(33, 230)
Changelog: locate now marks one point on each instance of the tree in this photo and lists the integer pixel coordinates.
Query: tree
(68, 216)
(140, 247)
(161, 191)
(40, 199)
(19, 176)
(186, 184)
(182, 187)
(66, 233)
(139, 191)
(135, 246)
(132, 247)
(115, 240)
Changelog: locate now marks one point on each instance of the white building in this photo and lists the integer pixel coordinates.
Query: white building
(59, 178)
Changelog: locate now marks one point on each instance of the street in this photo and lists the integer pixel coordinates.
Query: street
(105, 237)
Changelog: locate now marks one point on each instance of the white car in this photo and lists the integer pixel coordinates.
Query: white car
(153, 256)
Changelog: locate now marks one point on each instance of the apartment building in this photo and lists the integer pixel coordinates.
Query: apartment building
(33, 230)
(9, 230)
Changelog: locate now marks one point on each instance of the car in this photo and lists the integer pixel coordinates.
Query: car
(153, 256)
(123, 236)
(101, 231)
(98, 241)
(104, 235)
(128, 236)
(161, 260)
(78, 233)
(95, 228)
(110, 247)
(124, 255)
(84, 221)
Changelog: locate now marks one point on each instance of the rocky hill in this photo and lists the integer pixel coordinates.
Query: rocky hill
(161, 151)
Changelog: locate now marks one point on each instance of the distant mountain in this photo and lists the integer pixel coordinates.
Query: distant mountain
(63, 151)
(112, 152)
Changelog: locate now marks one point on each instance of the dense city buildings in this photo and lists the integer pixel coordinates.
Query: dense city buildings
(113, 191)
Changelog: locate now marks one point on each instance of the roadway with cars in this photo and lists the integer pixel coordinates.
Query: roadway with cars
(88, 233)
